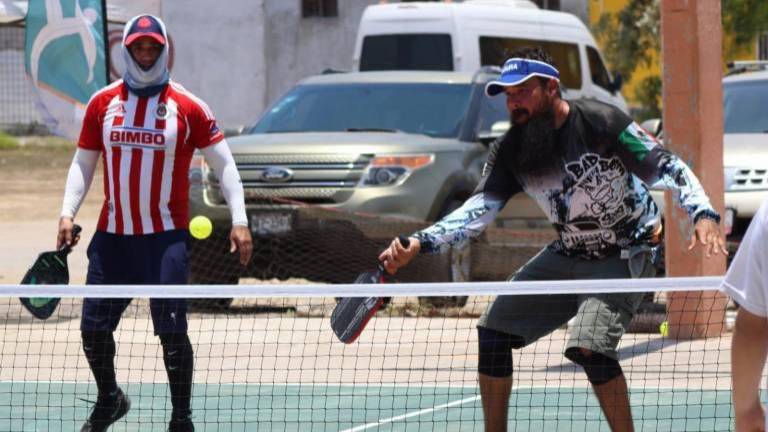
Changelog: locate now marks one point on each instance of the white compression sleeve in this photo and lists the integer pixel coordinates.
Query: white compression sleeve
(79, 180)
(220, 159)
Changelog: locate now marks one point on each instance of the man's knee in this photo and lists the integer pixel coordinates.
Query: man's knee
(599, 368)
(495, 352)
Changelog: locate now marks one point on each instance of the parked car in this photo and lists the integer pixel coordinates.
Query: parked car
(745, 146)
(465, 36)
(405, 145)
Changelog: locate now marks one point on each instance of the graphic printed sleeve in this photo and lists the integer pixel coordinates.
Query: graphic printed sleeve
(654, 164)
(469, 220)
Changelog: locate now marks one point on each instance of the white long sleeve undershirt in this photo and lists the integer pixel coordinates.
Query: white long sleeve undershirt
(79, 180)
(220, 159)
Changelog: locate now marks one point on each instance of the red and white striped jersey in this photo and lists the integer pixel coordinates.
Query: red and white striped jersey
(147, 145)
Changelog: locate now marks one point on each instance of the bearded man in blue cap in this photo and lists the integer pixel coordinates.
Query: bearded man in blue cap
(588, 165)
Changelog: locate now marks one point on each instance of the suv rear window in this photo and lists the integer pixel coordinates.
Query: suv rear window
(744, 107)
(407, 52)
(494, 51)
(436, 110)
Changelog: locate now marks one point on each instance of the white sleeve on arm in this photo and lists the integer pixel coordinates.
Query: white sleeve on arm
(746, 279)
(220, 159)
(79, 180)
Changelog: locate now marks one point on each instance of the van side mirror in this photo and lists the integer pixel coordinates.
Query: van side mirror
(498, 129)
(617, 82)
(652, 126)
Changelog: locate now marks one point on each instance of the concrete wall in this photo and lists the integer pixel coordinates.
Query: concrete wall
(241, 58)
(219, 55)
(299, 47)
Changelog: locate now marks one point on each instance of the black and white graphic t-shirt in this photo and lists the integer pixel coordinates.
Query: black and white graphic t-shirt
(595, 194)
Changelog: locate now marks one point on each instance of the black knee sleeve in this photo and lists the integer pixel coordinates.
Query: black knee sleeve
(178, 358)
(495, 352)
(99, 348)
(599, 368)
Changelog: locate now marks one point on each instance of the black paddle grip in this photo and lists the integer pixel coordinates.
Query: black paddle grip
(76, 229)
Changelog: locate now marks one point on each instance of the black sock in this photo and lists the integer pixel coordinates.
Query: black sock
(99, 348)
(178, 358)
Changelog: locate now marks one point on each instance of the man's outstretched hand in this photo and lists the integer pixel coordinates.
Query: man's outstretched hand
(707, 232)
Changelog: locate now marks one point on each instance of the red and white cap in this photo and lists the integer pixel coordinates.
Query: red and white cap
(145, 25)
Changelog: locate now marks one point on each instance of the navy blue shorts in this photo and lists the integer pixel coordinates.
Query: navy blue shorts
(150, 259)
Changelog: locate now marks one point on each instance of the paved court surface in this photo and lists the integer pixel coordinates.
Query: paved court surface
(281, 372)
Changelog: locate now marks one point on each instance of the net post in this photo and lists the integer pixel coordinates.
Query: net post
(696, 314)
(693, 122)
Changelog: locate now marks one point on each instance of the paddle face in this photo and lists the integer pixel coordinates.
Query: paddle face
(351, 314)
(50, 268)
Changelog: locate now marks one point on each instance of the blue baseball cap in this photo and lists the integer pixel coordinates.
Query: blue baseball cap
(519, 70)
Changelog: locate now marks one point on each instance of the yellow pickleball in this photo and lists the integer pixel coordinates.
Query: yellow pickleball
(664, 328)
(200, 227)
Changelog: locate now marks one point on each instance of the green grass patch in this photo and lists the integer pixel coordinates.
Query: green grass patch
(8, 142)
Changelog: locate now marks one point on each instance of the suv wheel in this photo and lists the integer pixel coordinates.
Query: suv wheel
(460, 263)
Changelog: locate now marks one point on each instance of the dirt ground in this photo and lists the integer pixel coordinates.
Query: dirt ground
(32, 179)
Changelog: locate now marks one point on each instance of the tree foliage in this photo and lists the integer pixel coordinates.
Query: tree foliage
(743, 19)
(632, 37)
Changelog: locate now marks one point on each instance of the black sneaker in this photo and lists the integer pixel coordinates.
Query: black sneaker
(181, 424)
(107, 411)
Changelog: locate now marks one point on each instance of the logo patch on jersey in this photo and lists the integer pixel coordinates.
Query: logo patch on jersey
(214, 129)
(162, 111)
(119, 136)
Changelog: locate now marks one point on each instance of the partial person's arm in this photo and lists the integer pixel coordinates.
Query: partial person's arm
(220, 159)
(749, 349)
(79, 181)
(746, 283)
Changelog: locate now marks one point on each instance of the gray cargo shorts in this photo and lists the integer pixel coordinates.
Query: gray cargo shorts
(601, 319)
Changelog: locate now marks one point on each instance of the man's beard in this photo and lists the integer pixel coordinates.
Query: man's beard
(535, 143)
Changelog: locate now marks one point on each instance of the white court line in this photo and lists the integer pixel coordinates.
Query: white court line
(413, 414)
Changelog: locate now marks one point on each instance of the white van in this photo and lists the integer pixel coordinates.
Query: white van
(465, 36)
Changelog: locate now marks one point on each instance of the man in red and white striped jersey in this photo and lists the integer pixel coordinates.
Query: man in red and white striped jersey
(145, 128)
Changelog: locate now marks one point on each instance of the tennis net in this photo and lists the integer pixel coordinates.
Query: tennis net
(271, 362)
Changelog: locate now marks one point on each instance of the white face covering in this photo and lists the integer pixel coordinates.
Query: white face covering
(137, 78)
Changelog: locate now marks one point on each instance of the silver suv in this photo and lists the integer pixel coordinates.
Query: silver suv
(745, 146)
(401, 147)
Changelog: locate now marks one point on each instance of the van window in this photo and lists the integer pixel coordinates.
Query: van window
(494, 51)
(407, 52)
(597, 69)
